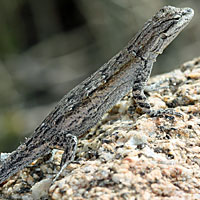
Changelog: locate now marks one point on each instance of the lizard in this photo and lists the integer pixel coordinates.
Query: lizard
(82, 107)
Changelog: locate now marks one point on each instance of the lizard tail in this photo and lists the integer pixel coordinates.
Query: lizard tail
(22, 156)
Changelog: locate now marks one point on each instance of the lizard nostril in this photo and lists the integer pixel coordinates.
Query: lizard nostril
(189, 10)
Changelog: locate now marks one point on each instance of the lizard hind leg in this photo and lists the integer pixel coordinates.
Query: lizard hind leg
(68, 142)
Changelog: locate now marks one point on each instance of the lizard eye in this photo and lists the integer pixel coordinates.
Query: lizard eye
(162, 10)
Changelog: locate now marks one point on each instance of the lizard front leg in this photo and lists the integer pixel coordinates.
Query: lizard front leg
(68, 143)
(144, 107)
(139, 98)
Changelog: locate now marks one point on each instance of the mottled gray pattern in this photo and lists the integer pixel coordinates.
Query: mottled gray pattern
(84, 106)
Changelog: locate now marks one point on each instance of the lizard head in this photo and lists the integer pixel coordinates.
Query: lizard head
(170, 21)
(160, 31)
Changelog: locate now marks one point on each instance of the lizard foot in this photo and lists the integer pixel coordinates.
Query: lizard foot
(167, 113)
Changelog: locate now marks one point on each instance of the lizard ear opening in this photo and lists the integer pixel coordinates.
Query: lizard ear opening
(163, 36)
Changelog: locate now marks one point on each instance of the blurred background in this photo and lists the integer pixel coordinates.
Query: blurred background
(47, 47)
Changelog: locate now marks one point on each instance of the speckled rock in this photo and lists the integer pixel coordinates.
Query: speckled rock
(127, 155)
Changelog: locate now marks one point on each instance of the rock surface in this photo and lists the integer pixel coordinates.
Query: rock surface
(127, 155)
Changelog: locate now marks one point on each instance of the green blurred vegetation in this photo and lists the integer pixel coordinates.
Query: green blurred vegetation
(49, 46)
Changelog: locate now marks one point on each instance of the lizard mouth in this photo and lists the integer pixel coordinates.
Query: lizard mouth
(188, 12)
(182, 16)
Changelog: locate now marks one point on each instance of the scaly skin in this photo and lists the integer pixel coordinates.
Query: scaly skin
(83, 106)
